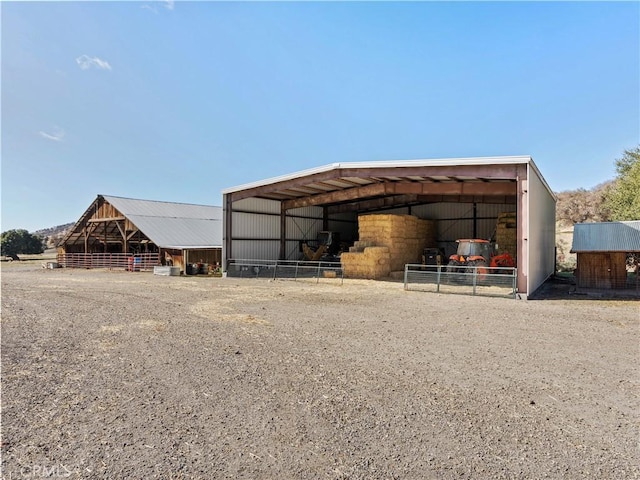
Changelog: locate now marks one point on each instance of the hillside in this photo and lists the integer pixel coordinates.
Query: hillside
(53, 235)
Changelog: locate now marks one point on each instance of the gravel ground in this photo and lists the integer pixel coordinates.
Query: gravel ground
(111, 375)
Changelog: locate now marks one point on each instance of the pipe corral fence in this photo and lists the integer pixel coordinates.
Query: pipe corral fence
(497, 281)
(485, 281)
(125, 261)
(285, 269)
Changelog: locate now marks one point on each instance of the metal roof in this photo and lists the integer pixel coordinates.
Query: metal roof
(167, 224)
(606, 237)
(173, 225)
(154, 208)
(384, 164)
(337, 183)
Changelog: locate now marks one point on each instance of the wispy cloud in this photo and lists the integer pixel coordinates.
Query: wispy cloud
(56, 135)
(85, 62)
(168, 4)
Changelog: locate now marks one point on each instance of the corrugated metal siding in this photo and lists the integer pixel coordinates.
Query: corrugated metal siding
(258, 205)
(315, 212)
(255, 225)
(541, 232)
(293, 252)
(606, 237)
(435, 211)
(256, 250)
(303, 228)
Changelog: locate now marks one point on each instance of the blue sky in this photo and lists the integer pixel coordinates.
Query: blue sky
(178, 100)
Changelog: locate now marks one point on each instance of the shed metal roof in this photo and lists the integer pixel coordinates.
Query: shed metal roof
(173, 225)
(606, 237)
(167, 224)
(341, 183)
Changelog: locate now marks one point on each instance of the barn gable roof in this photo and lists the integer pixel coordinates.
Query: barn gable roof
(606, 237)
(167, 224)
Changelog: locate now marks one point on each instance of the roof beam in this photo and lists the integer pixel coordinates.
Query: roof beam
(404, 188)
(374, 204)
(338, 196)
(100, 220)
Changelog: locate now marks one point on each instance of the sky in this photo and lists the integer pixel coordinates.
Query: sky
(177, 101)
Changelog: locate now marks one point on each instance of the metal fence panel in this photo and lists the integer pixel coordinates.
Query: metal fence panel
(495, 282)
(284, 269)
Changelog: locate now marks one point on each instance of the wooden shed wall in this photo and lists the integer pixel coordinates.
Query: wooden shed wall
(606, 270)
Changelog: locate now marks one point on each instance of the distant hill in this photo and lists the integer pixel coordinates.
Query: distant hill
(53, 235)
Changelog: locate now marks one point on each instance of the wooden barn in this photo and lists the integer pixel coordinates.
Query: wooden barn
(602, 250)
(117, 231)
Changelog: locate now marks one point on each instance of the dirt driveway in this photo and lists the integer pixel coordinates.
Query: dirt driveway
(113, 375)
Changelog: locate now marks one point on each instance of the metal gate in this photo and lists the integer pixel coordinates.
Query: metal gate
(466, 280)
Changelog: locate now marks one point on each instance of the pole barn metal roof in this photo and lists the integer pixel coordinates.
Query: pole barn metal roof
(166, 224)
(347, 183)
(606, 237)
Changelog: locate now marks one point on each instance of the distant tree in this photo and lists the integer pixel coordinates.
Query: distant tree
(13, 242)
(622, 199)
(579, 206)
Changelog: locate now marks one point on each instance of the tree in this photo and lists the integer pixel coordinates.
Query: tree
(622, 199)
(13, 242)
(579, 206)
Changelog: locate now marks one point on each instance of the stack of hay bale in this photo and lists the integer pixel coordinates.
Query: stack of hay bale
(507, 234)
(387, 243)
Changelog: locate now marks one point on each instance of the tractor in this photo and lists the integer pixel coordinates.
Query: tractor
(480, 254)
(327, 248)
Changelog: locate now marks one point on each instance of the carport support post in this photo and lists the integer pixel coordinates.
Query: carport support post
(522, 231)
(283, 232)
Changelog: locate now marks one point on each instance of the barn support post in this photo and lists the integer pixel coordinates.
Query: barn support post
(283, 232)
(123, 232)
(228, 239)
(475, 220)
(522, 232)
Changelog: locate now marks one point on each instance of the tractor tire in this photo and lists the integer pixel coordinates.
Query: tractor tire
(454, 268)
(481, 269)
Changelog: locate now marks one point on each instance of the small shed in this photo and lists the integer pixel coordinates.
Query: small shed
(602, 250)
(166, 233)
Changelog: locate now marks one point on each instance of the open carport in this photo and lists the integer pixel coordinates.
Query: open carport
(270, 219)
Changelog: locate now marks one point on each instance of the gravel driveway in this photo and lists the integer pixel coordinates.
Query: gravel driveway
(113, 375)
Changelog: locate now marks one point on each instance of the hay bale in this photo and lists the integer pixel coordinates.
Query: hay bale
(405, 236)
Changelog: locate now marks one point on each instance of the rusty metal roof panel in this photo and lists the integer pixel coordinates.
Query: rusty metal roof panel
(606, 237)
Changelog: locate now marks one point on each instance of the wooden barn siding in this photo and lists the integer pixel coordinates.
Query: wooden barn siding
(601, 270)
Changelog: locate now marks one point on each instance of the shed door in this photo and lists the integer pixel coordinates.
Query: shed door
(602, 270)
